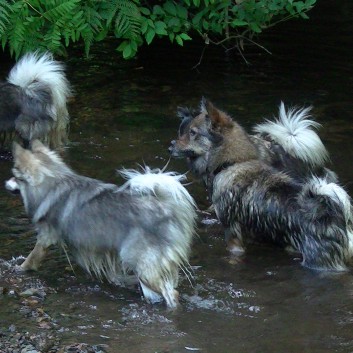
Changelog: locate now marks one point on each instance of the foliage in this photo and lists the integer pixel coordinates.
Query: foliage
(55, 24)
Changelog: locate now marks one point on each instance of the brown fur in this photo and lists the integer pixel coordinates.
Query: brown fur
(255, 200)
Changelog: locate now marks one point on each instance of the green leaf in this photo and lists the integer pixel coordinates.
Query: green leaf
(144, 27)
(160, 28)
(255, 27)
(145, 11)
(174, 22)
(150, 35)
(185, 36)
(197, 18)
(179, 40)
(127, 51)
(122, 45)
(157, 10)
(182, 12)
(170, 8)
(237, 23)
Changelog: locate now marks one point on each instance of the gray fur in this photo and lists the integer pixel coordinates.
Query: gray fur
(260, 196)
(33, 100)
(145, 227)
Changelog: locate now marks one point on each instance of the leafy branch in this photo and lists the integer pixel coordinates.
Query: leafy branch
(54, 25)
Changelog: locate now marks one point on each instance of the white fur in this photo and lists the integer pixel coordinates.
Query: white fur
(166, 186)
(293, 130)
(12, 184)
(151, 296)
(321, 186)
(35, 69)
(158, 182)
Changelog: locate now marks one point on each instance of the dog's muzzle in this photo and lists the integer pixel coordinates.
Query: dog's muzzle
(172, 150)
(12, 186)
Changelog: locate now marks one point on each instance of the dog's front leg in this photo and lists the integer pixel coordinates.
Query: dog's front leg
(234, 241)
(35, 257)
(46, 237)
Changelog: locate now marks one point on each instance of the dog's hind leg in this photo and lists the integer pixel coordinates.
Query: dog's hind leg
(170, 294)
(154, 291)
(156, 284)
(35, 257)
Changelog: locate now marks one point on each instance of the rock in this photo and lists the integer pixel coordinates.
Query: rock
(30, 292)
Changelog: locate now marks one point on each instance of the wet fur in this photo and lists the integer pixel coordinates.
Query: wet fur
(33, 101)
(144, 227)
(270, 187)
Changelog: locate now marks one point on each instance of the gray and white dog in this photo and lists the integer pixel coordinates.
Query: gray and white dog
(145, 227)
(33, 101)
(271, 186)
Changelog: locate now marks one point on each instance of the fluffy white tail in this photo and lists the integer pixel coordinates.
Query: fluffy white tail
(294, 131)
(166, 185)
(323, 186)
(34, 70)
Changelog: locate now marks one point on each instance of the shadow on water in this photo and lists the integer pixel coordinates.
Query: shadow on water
(123, 114)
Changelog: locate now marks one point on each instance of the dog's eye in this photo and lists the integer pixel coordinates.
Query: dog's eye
(192, 132)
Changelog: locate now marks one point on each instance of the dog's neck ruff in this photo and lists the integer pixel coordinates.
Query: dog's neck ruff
(212, 174)
(219, 169)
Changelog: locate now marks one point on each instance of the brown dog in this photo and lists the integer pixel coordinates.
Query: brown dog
(257, 191)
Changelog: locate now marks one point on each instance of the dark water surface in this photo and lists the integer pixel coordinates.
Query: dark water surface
(123, 115)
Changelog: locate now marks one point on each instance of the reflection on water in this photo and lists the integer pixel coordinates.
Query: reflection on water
(123, 115)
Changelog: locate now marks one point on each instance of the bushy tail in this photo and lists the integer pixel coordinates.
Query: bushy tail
(165, 186)
(39, 75)
(330, 208)
(294, 131)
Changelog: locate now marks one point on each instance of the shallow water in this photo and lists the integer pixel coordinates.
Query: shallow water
(123, 115)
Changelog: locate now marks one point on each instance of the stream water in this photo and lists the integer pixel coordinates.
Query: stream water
(123, 114)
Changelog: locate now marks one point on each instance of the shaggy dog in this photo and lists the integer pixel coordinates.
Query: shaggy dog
(271, 186)
(33, 101)
(144, 227)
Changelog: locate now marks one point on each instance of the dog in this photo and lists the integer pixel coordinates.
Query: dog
(33, 101)
(270, 186)
(144, 227)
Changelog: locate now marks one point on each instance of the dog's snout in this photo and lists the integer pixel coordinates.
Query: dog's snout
(12, 186)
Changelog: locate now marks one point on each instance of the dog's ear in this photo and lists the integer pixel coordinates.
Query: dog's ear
(218, 118)
(37, 146)
(185, 113)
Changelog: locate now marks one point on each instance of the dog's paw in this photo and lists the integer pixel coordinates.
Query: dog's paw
(235, 247)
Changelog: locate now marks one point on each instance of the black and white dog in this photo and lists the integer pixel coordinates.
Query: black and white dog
(270, 186)
(33, 101)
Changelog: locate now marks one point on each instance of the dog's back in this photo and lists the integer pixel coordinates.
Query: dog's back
(144, 227)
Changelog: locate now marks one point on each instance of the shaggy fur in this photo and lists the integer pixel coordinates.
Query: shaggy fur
(33, 101)
(272, 186)
(144, 227)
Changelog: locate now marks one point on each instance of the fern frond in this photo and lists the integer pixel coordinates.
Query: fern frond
(128, 20)
(60, 9)
(125, 15)
(5, 12)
